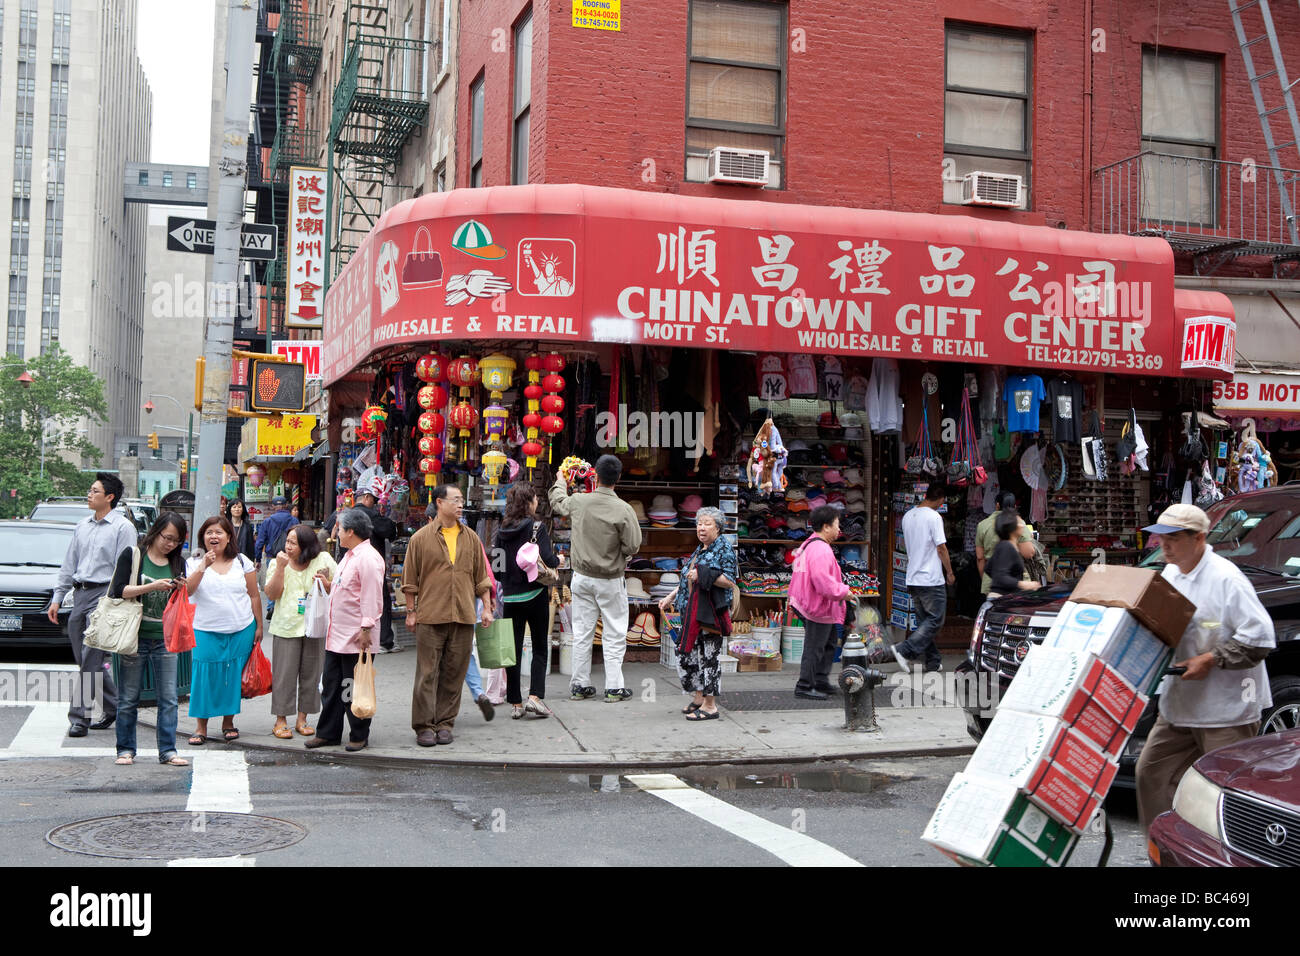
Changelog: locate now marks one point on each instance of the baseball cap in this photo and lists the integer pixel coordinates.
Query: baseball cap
(526, 558)
(473, 239)
(279, 500)
(1177, 518)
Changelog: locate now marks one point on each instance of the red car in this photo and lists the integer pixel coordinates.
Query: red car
(1236, 806)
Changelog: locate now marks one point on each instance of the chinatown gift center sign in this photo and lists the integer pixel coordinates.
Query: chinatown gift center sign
(586, 264)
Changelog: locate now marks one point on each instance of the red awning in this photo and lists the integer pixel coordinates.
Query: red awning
(580, 264)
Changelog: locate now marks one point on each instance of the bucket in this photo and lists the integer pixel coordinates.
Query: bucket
(792, 643)
(566, 653)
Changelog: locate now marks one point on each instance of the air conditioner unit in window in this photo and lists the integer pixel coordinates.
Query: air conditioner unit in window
(991, 189)
(743, 167)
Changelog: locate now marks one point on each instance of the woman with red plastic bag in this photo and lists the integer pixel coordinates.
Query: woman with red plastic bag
(161, 569)
(222, 585)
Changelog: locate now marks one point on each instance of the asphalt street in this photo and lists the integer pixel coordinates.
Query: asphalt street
(868, 812)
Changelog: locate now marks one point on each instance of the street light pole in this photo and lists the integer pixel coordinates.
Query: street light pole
(189, 435)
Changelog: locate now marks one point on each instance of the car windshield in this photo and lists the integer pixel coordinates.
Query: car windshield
(69, 513)
(1264, 533)
(29, 545)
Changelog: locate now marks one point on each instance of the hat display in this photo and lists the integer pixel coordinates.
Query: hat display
(638, 509)
(671, 578)
(635, 589)
(800, 505)
(853, 476)
(666, 564)
(839, 452)
(796, 494)
(833, 477)
(1177, 518)
(816, 502)
(691, 504)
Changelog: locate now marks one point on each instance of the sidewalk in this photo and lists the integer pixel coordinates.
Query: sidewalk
(645, 732)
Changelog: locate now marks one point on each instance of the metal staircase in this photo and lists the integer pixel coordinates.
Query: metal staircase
(1281, 154)
(375, 113)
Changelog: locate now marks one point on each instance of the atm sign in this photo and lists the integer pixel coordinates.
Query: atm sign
(306, 352)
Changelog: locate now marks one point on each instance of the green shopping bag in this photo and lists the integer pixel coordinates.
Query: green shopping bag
(496, 644)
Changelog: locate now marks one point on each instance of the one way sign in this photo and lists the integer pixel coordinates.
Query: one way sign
(199, 235)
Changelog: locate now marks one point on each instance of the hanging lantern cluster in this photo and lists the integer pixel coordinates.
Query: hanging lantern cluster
(463, 419)
(497, 373)
(431, 368)
(532, 420)
(553, 402)
(431, 425)
(464, 374)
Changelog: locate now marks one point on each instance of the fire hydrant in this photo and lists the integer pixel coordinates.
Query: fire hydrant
(857, 681)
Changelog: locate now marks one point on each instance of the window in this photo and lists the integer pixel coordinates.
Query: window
(986, 118)
(144, 177)
(133, 449)
(476, 133)
(446, 35)
(441, 177)
(191, 180)
(735, 82)
(1180, 110)
(523, 98)
(167, 178)
(427, 16)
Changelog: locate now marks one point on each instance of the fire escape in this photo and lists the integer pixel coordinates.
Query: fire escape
(295, 56)
(376, 111)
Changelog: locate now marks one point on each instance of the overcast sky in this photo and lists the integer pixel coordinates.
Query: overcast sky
(174, 38)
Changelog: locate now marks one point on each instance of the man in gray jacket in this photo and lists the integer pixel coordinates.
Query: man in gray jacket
(605, 534)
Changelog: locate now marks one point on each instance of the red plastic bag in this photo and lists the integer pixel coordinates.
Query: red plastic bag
(257, 675)
(178, 622)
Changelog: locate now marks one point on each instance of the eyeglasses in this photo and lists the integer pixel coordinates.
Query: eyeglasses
(170, 537)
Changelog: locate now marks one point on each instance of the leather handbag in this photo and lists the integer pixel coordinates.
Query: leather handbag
(114, 625)
(422, 266)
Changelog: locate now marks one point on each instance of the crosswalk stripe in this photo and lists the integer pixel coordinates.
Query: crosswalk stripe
(794, 848)
(219, 784)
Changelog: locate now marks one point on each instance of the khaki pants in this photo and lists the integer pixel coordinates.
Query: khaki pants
(442, 655)
(1167, 755)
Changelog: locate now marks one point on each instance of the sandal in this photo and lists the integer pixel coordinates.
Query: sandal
(124, 760)
(691, 708)
(703, 715)
(198, 740)
(283, 732)
(304, 730)
(230, 733)
(175, 761)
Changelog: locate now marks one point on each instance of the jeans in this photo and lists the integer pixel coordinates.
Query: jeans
(931, 605)
(474, 680)
(131, 669)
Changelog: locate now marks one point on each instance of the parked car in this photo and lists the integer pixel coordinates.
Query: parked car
(145, 511)
(72, 510)
(31, 553)
(1258, 531)
(1237, 806)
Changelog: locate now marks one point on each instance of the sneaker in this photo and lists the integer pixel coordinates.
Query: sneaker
(395, 649)
(536, 708)
(383, 650)
(936, 669)
(903, 662)
(581, 693)
(618, 696)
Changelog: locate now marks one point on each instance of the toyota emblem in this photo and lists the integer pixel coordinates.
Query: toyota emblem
(8, 601)
(1276, 834)
(1022, 649)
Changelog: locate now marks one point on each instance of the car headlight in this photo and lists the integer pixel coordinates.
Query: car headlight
(1197, 802)
(67, 601)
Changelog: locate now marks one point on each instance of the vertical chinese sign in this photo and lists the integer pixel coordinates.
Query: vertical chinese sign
(306, 250)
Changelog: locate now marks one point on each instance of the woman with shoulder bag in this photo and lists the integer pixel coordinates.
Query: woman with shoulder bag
(526, 594)
(297, 658)
(161, 571)
(222, 585)
(703, 599)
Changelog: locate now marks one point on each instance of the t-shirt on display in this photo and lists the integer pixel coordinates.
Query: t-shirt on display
(1023, 394)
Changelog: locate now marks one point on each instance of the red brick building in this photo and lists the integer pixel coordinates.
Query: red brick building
(862, 104)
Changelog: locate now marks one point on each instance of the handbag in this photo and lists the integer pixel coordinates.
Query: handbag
(114, 625)
(422, 266)
(547, 577)
(496, 644)
(1193, 448)
(966, 464)
(317, 611)
(178, 623)
(1207, 492)
(363, 686)
(1094, 449)
(1127, 444)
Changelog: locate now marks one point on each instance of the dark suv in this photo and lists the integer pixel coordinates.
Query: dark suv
(31, 553)
(1258, 531)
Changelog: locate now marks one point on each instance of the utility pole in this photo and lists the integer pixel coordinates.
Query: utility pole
(241, 27)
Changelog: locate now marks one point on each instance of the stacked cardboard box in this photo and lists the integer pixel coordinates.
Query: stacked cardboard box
(1053, 748)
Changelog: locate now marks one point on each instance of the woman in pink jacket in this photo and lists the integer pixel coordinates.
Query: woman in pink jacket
(817, 592)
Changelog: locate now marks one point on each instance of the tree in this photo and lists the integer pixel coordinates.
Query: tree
(61, 397)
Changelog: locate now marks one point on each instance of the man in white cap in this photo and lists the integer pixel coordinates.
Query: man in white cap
(1219, 699)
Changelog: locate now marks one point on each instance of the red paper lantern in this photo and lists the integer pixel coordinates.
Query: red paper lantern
(532, 449)
(553, 383)
(534, 363)
(463, 372)
(464, 417)
(533, 392)
(553, 362)
(532, 420)
(553, 404)
(432, 397)
(431, 367)
(431, 445)
(432, 423)
(552, 424)
(292, 476)
(430, 466)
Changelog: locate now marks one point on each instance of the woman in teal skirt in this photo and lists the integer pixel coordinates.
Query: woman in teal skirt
(222, 585)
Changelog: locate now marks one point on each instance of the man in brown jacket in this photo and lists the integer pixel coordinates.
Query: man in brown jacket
(445, 570)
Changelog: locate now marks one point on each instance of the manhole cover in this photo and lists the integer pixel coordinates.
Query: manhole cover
(175, 834)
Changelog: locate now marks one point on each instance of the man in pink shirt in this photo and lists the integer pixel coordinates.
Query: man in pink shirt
(356, 605)
(817, 592)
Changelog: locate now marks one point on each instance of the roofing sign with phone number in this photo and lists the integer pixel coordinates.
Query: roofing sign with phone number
(597, 14)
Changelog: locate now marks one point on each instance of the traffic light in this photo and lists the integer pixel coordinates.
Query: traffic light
(153, 440)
